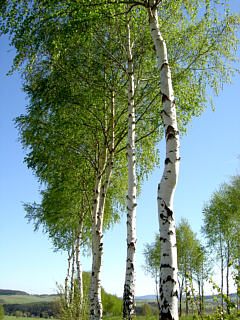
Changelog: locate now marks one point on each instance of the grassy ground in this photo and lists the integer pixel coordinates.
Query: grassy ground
(104, 318)
(20, 318)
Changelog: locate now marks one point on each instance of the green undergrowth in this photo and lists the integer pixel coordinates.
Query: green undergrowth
(22, 318)
(104, 318)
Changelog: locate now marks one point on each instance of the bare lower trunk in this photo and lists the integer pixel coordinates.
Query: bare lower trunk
(168, 268)
(129, 286)
(73, 270)
(199, 295)
(186, 288)
(202, 290)
(180, 298)
(238, 282)
(227, 275)
(94, 248)
(222, 269)
(67, 278)
(78, 261)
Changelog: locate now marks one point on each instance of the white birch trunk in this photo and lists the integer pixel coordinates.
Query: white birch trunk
(73, 269)
(168, 286)
(94, 248)
(67, 278)
(96, 305)
(238, 284)
(78, 261)
(129, 286)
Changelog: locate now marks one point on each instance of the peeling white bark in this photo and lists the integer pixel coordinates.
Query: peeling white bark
(129, 286)
(168, 286)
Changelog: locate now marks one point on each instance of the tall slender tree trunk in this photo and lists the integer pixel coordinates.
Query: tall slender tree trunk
(186, 290)
(129, 286)
(222, 268)
(168, 268)
(238, 282)
(67, 278)
(199, 295)
(78, 260)
(96, 204)
(98, 215)
(180, 298)
(73, 268)
(202, 289)
(227, 274)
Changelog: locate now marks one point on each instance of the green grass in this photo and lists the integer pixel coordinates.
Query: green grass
(190, 317)
(20, 318)
(12, 299)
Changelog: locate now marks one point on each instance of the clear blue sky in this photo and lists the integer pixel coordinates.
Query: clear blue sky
(209, 156)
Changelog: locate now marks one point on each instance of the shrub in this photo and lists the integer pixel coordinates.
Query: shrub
(1, 312)
(146, 310)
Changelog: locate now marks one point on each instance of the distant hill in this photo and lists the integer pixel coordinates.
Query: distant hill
(207, 297)
(4, 292)
(147, 297)
(22, 297)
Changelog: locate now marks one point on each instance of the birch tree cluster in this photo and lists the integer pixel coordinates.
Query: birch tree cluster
(193, 268)
(198, 261)
(105, 82)
(221, 226)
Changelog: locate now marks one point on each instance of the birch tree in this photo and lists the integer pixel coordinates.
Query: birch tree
(128, 294)
(68, 227)
(152, 255)
(190, 259)
(233, 194)
(168, 290)
(216, 227)
(168, 269)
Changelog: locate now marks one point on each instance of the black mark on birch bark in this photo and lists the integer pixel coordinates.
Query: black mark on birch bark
(163, 65)
(166, 255)
(175, 294)
(167, 161)
(163, 239)
(165, 98)
(169, 279)
(165, 266)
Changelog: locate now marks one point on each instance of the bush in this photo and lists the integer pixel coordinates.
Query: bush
(73, 309)
(1, 312)
(112, 305)
(146, 310)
